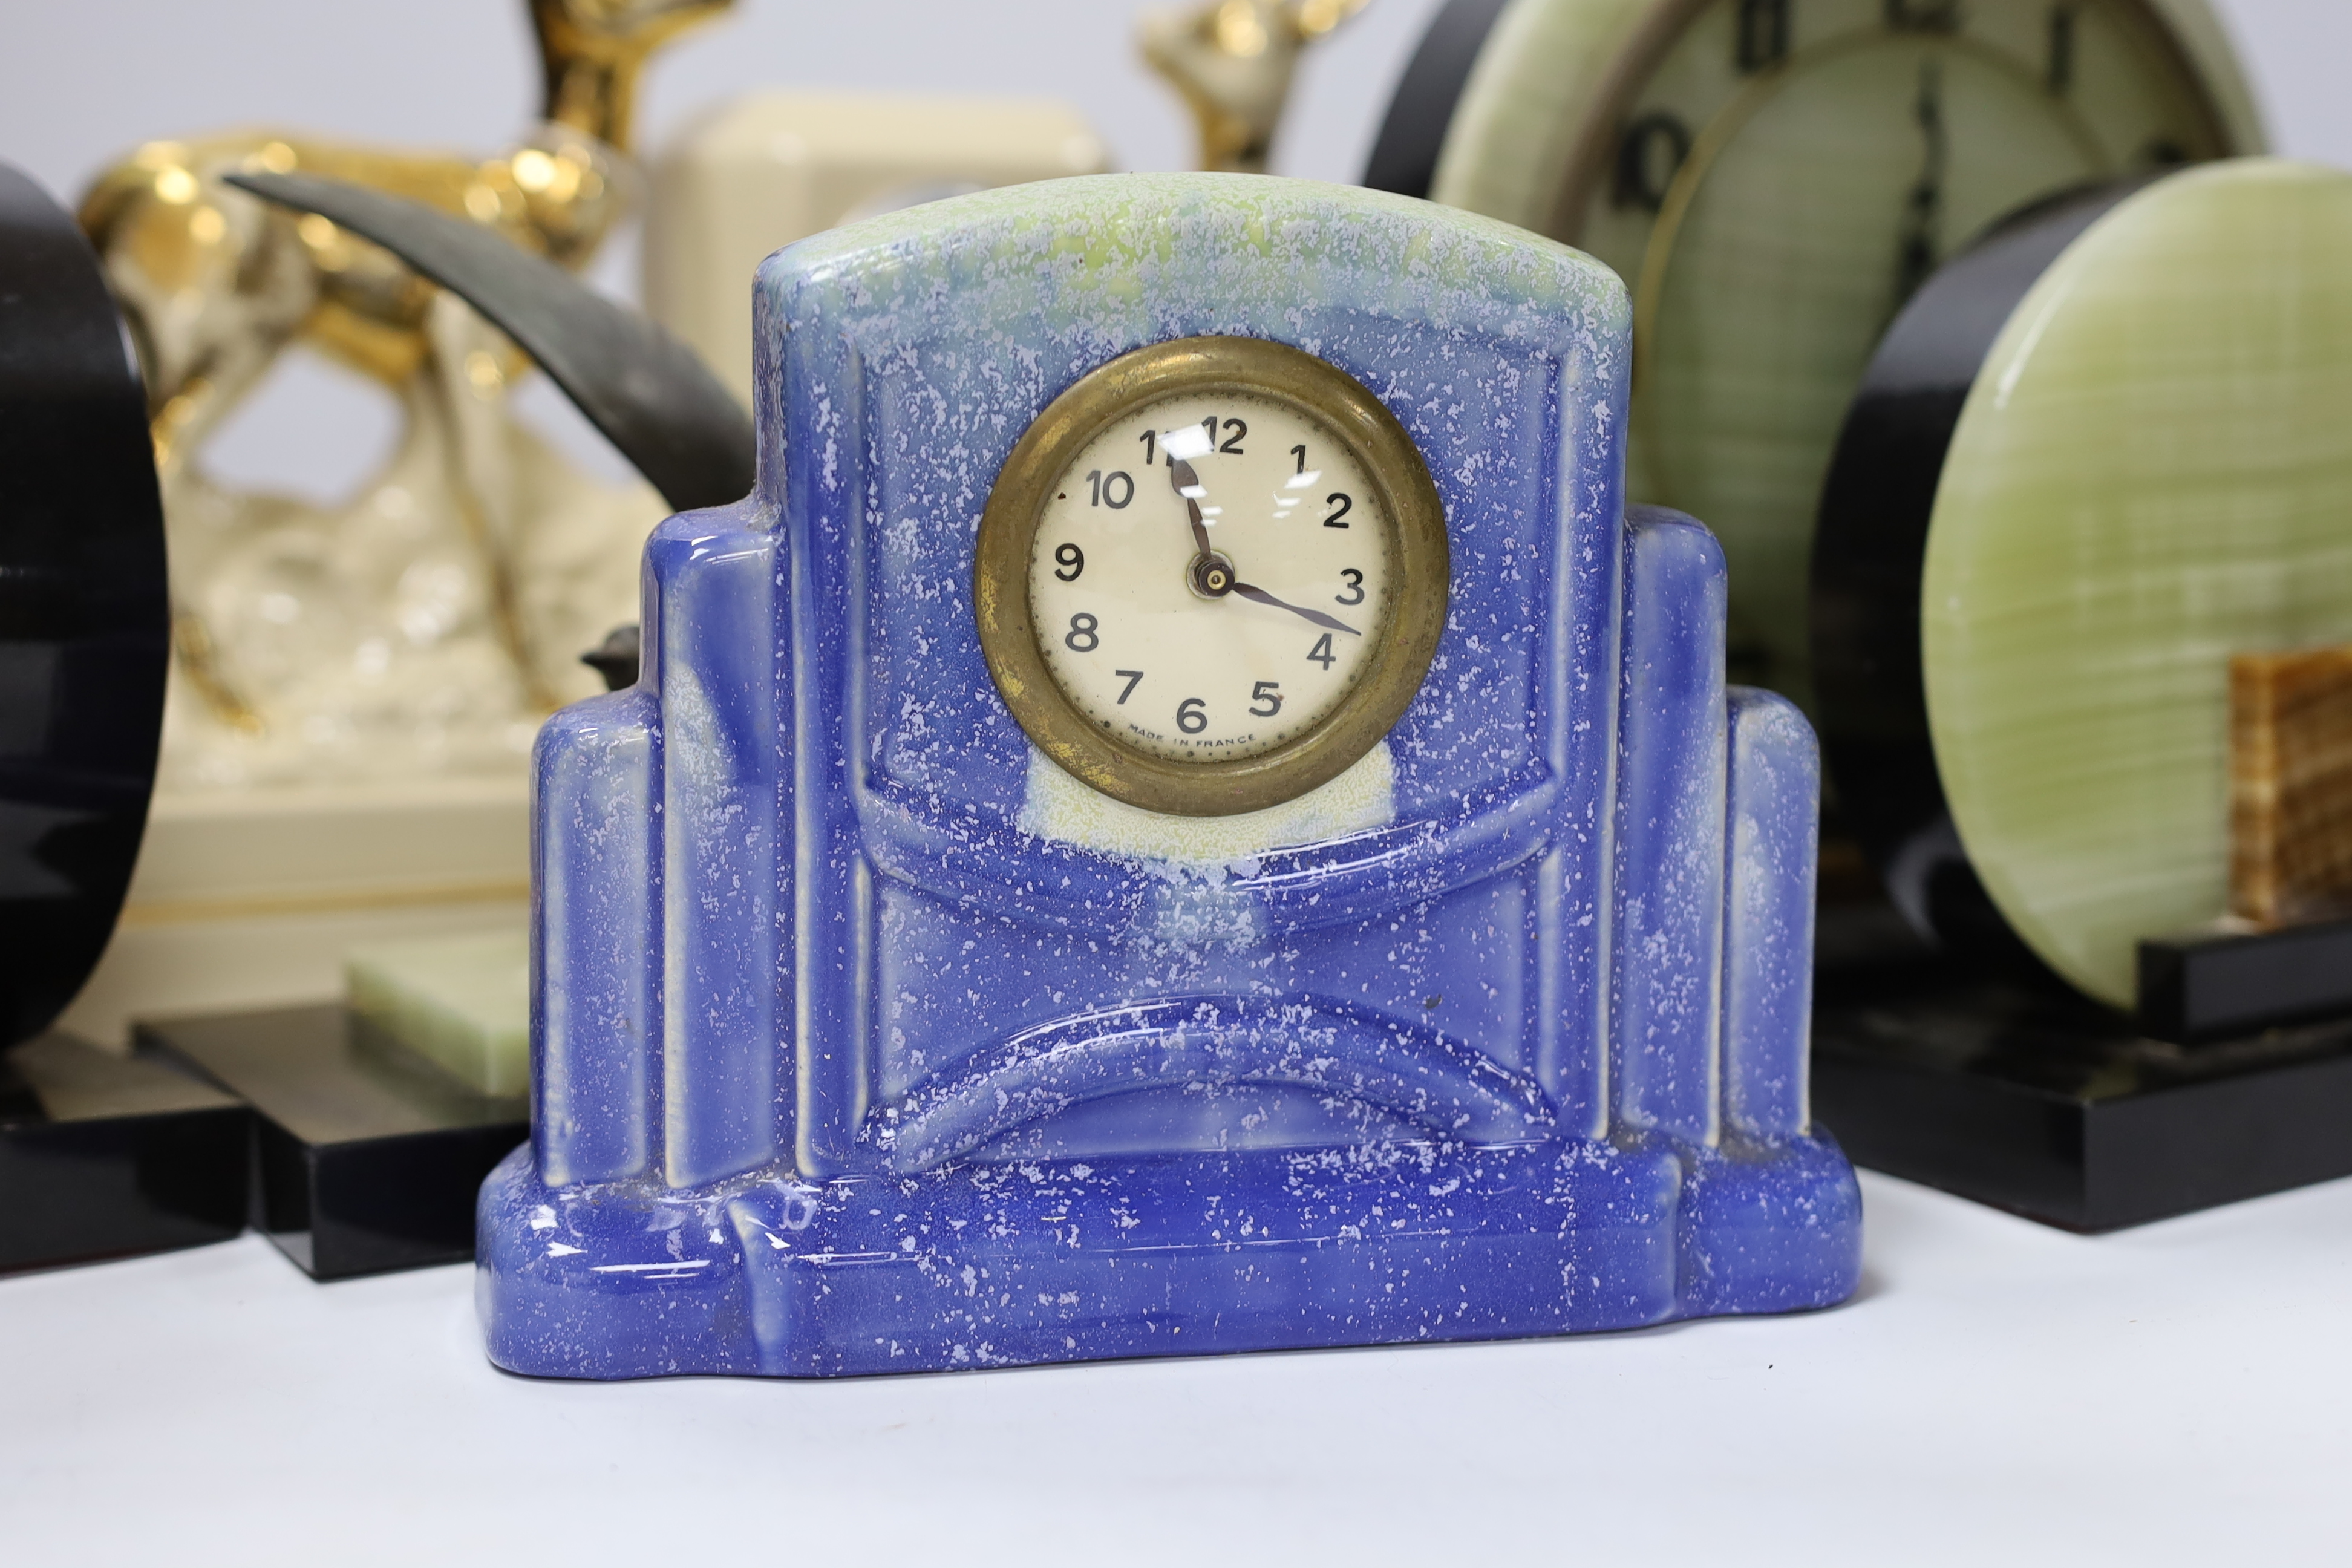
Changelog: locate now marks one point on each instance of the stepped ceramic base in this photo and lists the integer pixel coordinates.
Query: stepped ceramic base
(2060, 1110)
(103, 1156)
(995, 1265)
(367, 1159)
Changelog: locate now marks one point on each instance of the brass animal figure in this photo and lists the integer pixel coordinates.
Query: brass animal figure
(425, 625)
(1232, 60)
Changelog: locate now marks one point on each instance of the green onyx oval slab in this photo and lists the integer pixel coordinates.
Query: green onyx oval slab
(2153, 471)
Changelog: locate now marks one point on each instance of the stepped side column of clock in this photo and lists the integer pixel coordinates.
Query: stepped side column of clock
(859, 1048)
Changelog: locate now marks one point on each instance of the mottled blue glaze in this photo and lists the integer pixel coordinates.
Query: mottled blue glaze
(841, 1070)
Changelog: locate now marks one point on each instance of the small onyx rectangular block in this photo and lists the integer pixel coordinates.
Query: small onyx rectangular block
(2291, 785)
(462, 1003)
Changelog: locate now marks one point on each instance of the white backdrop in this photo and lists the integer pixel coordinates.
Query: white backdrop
(81, 83)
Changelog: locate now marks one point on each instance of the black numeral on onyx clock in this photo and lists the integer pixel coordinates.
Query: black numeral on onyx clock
(1134, 676)
(1083, 625)
(1648, 157)
(1355, 594)
(1113, 489)
(1924, 15)
(1763, 35)
(2061, 75)
(1192, 716)
(1268, 692)
(1339, 505)
(1321, 652)
(1071, 557)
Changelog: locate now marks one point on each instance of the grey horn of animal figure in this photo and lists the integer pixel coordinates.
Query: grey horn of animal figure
(646, 391)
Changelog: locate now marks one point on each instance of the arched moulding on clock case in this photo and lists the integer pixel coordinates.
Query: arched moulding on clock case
(84, 613)
(1771, 179)
(2093, 459)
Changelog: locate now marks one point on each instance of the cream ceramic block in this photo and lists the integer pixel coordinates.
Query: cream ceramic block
(250, 898)
(764, 171)
(463, 1002)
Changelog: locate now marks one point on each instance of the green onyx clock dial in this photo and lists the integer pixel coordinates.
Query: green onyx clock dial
(1773, 178)
(1211, 575)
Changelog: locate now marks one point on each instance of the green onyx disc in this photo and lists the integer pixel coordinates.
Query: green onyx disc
(2152, 471)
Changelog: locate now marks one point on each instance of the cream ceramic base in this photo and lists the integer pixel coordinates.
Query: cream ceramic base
(252, 899)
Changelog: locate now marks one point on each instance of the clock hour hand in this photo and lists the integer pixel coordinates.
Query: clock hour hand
(1250, 591)
(1187, 484)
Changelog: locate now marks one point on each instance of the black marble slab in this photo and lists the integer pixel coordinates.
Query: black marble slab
(106, 1156)
(366, 1158)
(2032, 1100)
(2216, 985)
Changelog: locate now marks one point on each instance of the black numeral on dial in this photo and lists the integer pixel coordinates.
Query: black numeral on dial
(1924, 15)
(1081, 637)
(2061, 74)
(1192, 716)
(1113, 489)
(1134, 676)
(1321, 652)
(1340, 505)
(1647, 160)
(1072, 557)
(1355, 594)
(1268, 692)
(1763, 37)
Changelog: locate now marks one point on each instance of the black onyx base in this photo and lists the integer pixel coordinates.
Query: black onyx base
(367, 1159)
(103, 1156)
(2010, 1093)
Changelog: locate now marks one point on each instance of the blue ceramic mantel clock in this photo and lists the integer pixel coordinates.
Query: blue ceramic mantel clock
(1181, 817)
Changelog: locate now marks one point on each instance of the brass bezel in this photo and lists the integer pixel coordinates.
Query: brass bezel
(1418, 571)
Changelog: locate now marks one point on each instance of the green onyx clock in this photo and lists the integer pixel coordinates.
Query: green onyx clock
(1772, 179)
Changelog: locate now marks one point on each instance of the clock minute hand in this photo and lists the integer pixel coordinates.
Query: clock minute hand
(1180, 478)
(1250, 591)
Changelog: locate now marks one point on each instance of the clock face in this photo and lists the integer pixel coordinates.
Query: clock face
(1783, 175)
(1211, 575)
(1226, 639)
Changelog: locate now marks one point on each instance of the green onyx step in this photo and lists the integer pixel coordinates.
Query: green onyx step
(461, 1002)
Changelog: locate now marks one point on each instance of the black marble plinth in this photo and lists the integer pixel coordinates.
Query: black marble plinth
(367, 1159)
(104, 1155)
(2017, 1094)
(2215, 985)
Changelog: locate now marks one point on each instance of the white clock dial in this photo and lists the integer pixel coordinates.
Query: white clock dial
(1222, 654)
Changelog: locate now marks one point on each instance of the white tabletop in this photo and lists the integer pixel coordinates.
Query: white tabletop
(1998, 1393)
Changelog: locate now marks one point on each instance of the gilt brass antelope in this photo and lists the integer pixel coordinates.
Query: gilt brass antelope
(1232, 60)
(424, 626)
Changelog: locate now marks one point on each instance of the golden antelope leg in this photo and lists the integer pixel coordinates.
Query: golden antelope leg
(1232, 61)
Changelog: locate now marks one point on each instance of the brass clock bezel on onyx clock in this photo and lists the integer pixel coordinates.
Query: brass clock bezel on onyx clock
(1404, 638)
